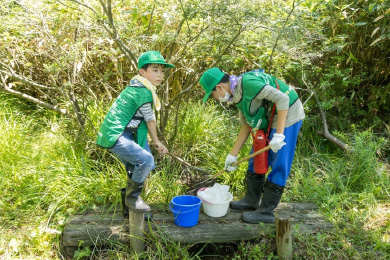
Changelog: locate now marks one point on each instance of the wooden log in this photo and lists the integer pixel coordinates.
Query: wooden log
(94, 234)
(137, 231)
(107, 225)
(214, 232)
(283, 238)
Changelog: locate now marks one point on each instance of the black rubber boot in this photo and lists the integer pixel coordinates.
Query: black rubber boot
(125, 209)
(133, 199)
(265, 213)
(254, 184)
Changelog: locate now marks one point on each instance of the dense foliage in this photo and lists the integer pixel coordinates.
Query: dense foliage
(66, 53)
(352, 74)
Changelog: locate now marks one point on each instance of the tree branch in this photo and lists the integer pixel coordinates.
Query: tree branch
(115, 35)
(188, 166)
(185, 17)
(176, 120)
(277, 38)
(151, 17)
(11, 73)
(325, 131)
(30, 98)
(174, 42)
(25, 80)
(193, 82)
(194, 40)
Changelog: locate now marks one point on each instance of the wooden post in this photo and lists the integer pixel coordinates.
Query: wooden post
(137, 231)
(283, 238)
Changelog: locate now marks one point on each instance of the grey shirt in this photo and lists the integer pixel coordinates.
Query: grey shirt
(145, 111)
(295, 113)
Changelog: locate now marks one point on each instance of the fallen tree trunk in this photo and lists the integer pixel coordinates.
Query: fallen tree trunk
(102, 227)
(325, 130)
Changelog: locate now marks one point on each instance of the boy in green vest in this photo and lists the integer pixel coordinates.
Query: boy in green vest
(254, 94)
(125, 127)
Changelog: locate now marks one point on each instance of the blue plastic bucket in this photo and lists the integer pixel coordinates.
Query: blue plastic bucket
(185, 210)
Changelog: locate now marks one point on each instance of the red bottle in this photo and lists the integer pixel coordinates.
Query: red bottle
(261, 160)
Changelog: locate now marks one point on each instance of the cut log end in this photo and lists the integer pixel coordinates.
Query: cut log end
(283, 238)
(137, 231)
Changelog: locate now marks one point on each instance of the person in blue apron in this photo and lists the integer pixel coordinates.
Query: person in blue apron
(127, 123)
(268, 106)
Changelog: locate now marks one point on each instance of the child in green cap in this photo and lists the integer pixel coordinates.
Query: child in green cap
(125, 127)
(268, 107)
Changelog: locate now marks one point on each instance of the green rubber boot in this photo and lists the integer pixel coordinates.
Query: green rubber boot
(125, 209)
(265, 213)
(133, 199)
(254, 184)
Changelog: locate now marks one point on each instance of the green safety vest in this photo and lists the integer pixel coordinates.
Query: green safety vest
(121, 113)
(252, 83)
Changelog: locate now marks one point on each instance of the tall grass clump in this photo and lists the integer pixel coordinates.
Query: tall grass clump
(203, 131)
(319, 166)
(361, 170)
(351, 190)
(45, 179)
(203, 136)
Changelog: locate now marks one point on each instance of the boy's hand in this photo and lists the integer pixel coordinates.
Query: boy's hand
(230, 159)
(161, 149)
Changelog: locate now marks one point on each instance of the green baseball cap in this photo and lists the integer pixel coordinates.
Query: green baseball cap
(152, 57)
(209, 80)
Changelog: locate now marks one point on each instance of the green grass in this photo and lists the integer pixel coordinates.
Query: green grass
(47, 175)
(45, 179)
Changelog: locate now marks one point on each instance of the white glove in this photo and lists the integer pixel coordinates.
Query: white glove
(229, 160)
(277, 142)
